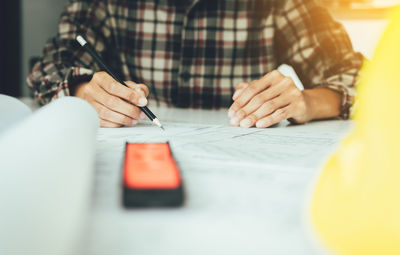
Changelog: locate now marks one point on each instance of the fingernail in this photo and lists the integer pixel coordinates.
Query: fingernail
(245, 123)
(134, 122)
(140, 91)
(240, 114)
(235, 121)
(237, 93)
(142, 115)
(261, 124)
(231, 113)
(142, 101)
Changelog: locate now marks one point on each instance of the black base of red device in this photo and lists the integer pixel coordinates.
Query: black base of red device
(134, 195)
(136, 198)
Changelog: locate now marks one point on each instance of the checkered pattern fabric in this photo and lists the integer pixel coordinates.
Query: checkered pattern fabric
(191, 53)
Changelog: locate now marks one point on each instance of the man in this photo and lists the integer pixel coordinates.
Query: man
(192, 53)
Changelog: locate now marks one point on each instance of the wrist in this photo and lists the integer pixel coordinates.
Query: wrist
(321, 103)
(79, 89)
(310, 112)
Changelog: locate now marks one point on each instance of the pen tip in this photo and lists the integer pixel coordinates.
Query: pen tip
(158, 123)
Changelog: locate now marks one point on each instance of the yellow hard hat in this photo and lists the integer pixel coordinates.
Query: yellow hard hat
(355, 208)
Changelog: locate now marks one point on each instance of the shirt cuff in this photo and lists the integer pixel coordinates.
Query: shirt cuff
(348, 97)
(53, 87)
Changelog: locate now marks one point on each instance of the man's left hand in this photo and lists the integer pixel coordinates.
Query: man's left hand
(267, 101)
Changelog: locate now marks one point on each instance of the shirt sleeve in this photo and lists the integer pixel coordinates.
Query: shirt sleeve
(64, 63)
(318, 48)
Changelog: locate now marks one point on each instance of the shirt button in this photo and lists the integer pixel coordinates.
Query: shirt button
(185, 76)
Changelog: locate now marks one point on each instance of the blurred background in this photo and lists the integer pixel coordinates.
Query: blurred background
(27, 24)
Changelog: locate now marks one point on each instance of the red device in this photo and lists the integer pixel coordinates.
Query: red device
(151, 176)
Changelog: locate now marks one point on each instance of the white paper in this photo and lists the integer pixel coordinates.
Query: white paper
(289, 146)
(46, 172)
(11, 112)
(245, 190)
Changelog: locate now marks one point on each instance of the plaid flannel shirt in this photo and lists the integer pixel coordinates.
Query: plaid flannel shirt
(193, 53)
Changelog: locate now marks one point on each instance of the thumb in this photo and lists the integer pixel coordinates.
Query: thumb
(239, 89)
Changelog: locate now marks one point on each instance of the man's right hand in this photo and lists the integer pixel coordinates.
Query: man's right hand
(112, 100)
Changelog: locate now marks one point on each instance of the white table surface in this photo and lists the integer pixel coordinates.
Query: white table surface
(229, 208)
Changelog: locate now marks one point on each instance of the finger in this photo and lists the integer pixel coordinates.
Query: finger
(239, 89)
(138, 87)
(114, 103)
(256, 102)
(242, 85)
(266, 109)
(276, 117)
(115, 117)
(254, 88)
(237, 93)
(108, 124)
(112, 87)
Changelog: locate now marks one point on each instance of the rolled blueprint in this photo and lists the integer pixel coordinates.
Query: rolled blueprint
(46, 171)
(11, 112)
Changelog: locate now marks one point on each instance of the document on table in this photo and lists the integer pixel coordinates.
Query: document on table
(289, 146)
(245, 190)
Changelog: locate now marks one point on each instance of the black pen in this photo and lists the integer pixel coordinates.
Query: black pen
(100, 62)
